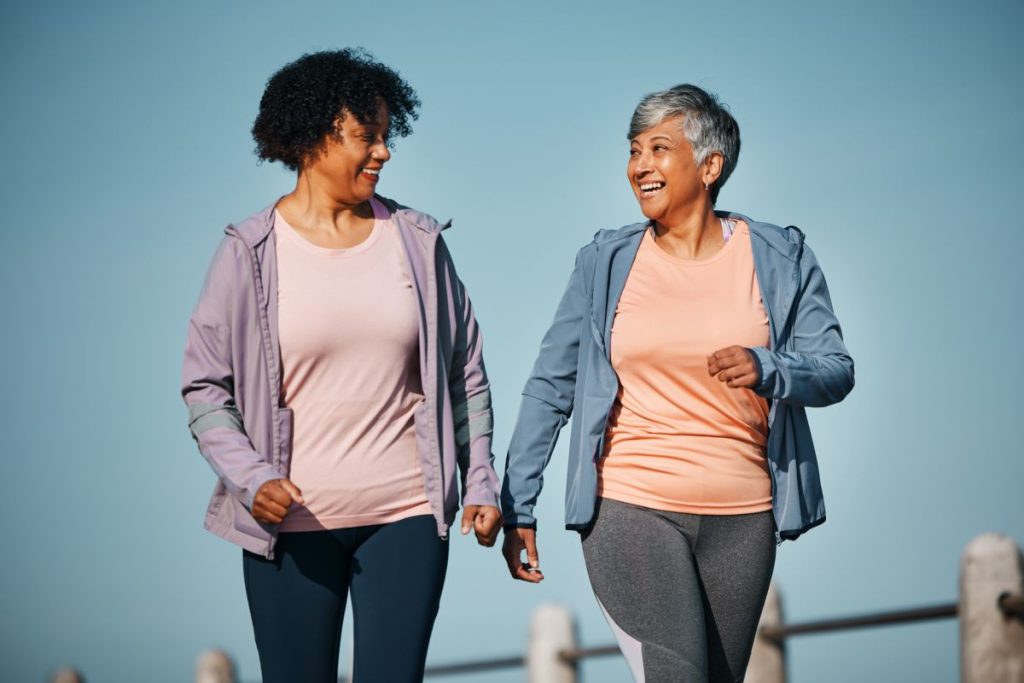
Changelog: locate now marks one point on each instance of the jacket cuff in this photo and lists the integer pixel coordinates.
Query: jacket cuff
(765, 369)
(261, 478)
(489, 498)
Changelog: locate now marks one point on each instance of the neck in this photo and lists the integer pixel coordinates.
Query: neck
(313, 205)
(692, 234)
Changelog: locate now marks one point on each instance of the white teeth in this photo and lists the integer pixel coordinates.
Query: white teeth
(372, 171)
(647, 187)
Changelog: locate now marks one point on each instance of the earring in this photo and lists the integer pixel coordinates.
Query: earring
(705, 186)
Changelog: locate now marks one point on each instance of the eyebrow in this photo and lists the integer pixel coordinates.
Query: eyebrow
(656, 137)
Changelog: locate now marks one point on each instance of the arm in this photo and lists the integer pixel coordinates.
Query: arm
(208, 383)
(818, 371)
(471, 411)
(547, 402)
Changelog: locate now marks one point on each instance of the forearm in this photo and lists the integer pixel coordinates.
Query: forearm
(812, 380)
(533, 442)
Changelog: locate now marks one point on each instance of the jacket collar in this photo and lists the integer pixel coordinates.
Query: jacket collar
(254, 229)
(788, 242)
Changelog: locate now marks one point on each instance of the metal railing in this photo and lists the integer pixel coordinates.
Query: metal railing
(990, 610)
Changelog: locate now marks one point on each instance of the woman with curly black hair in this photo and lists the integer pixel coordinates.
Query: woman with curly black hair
(335, 383)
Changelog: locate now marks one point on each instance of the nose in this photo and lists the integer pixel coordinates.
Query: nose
(641, 164)
(380, 151)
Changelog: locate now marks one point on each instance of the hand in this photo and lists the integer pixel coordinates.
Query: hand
(517, 540)
(735, 366)
(485, 520)
(271, 503)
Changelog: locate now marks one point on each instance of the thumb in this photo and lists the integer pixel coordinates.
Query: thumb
(482, 518)
(292, 491)
(531, 551)
(468, 513)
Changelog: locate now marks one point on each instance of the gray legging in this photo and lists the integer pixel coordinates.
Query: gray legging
(683, 593)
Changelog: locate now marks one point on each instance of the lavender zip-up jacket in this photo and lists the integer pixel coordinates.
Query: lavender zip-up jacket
(231, 378)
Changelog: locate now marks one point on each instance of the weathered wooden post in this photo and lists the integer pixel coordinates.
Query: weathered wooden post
(215, 666)
(991, 643)
(552, 630)
(768, 660)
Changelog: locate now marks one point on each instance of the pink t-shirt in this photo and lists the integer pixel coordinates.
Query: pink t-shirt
(679, 439)
(350, 353)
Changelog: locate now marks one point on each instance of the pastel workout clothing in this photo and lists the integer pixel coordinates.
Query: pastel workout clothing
(682, 546)
(297, 601)
(350, 356)
(682, 592)
(349, 337)
(680, 439)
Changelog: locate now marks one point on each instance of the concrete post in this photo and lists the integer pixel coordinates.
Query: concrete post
(768, 659)
(991, 644)
(552, 630)
(215, 666)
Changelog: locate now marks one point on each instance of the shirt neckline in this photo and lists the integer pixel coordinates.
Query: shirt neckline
(285, 229)
(740, 228)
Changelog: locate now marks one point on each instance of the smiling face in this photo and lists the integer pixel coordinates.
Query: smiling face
(661, 170)
(350, 164)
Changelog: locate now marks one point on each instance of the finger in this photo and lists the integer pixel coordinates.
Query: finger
(270, 508)
(744, 381)
(720, 360)
(293, 491)
(532, 558)
(276, 493)
(486, 525)
(467, 518)
(267, 516)
(524, 573)
(511, 549)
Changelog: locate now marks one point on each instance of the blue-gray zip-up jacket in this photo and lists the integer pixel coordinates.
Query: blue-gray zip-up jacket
(806, 364)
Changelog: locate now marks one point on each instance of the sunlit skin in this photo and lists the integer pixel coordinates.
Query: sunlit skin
(330, 207)
(674, 193)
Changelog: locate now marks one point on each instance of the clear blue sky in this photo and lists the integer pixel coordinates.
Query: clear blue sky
(890, 132)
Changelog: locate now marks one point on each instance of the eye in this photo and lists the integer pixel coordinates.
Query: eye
(634, 153)
(660, 148)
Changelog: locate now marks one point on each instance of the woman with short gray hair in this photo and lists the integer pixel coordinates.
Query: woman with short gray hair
(689, 345)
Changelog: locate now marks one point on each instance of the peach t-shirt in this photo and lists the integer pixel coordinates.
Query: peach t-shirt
(678, 438)
(350, 353)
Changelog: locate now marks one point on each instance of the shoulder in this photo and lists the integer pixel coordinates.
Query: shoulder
(414, 217)
(610, 238)
(787, 242)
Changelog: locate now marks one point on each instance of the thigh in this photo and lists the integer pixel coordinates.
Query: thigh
(397, 576)
(735, 557)
(297, 603)
(642, 572)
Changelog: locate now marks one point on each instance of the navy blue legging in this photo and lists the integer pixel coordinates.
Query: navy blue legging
(395, 573)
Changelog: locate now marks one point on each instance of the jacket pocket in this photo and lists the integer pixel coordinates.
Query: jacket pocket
(285, 431)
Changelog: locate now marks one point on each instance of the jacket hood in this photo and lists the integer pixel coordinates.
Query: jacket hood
(787, 241)
(256, 227)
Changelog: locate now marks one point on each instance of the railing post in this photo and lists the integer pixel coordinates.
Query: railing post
(552, 629)
(215, 666)
(768, 660)
(991, 644)
(66, 676)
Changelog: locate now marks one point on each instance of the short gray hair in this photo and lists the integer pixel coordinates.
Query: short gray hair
(707, 124)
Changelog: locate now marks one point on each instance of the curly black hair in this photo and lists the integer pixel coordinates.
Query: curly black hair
(303, 101)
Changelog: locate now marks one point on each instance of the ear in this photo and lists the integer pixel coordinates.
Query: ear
(712, 167)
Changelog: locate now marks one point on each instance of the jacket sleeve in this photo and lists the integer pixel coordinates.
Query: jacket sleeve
(208, 382)
(470, 392)
(818, 371)
(546, 405)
